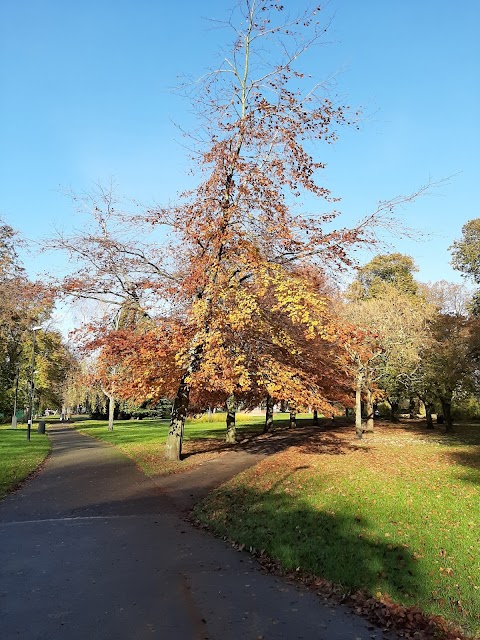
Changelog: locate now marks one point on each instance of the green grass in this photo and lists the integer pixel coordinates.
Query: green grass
(144, 440)
(18, 457)
(398, 516)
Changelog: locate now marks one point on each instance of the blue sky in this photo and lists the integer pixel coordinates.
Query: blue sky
(85, 96)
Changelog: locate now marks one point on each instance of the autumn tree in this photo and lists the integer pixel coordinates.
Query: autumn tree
(260, 118)
(260, 351)
(53, 362)
(117, 270)
(450, 364)
(24, 304)
(245, 228)
(110, 262)
(395, 322)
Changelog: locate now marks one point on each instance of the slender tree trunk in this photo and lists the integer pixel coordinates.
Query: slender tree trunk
(315, 417)
(173, 446)
(293, 419)
(447, 414)
(369, 411)
(231, 411)
(358, 405)
(111, 412)
(268, 414)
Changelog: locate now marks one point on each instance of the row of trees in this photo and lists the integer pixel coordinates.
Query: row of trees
(422, 339)
(24, 305)
(230, 294)
(227, 295)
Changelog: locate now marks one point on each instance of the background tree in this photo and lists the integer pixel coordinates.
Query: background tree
(450, 363)
(53, 362)
(466, 256)
(395, 269)
(384, 304)
(23, 305)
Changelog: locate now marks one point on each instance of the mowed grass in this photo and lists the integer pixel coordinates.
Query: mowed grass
(144, 440)
(397, 514)
(18, 457)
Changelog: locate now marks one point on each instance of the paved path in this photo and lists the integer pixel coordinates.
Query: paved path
(92, 549)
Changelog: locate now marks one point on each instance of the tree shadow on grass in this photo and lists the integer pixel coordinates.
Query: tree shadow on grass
(464, 433)
(462, 447)
(307, 438)
(334, 546)
(470, 460)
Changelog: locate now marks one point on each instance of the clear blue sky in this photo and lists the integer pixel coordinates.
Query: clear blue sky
(85, 97)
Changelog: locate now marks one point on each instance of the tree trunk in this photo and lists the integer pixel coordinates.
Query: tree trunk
(428, 414)
(315, 417)
(293, 420)
(173, 446)
(231, 410)
(411, 408)
(111, 412)
(369, 411)
(268, 414)
(394, 406)
(358, 405)
(447, 414)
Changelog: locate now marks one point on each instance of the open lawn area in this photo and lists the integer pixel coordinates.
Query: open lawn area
(18, 457)
(144, 440)
(396, 514)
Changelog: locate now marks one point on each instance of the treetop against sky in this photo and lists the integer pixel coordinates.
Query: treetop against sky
(87, 96)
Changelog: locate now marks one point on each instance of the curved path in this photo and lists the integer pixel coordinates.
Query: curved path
(90, 549)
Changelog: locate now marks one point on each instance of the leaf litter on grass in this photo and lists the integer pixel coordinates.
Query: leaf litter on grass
(390, 516)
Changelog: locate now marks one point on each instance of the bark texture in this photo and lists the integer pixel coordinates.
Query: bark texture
(268, 414)
(394, 407)
(293, 420)
(173, 446)
(231, 426)
(111, 412)
(447, 413)
(358, 405)
(369, 411)
(428, 414)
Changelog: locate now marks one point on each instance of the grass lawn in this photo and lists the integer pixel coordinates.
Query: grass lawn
(397, 514)
(18, 457)
(144, 440)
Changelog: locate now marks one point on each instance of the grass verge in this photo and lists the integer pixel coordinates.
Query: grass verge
(18, 457)
(397, 515)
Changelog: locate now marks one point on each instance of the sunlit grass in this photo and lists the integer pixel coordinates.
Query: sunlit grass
(18, 456)
(397, 515)
(144, 440)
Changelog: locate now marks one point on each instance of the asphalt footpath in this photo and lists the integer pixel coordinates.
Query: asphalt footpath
(90, 548)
